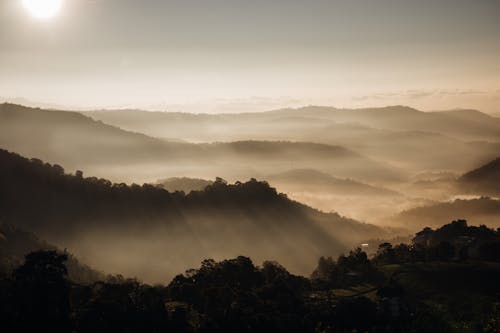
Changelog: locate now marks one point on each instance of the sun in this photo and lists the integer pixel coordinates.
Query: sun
(43, 9)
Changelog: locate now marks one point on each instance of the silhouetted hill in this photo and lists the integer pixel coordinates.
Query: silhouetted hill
(484, 180)
(293, 180)
(320, 190)
(15, 244)
(128, 224)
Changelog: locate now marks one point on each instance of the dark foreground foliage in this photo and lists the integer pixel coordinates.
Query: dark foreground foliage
(427, 287)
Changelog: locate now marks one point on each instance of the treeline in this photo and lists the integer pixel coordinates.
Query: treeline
(387, 293)
(248, 218)
(58, 199)
(455, 241)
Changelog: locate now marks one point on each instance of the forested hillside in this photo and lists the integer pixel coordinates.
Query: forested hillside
(84, 213)
(445, 280)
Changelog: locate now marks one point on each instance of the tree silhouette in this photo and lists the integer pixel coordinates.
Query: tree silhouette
(41, 293)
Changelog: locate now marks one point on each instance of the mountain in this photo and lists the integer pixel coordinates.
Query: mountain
(346, 196)
(469, 115)
(294, 180)
(261, 158)
(317, 189)
(477, 211)
(72, 138)
(459, 123)
(315, 181)
(484, 180)
(477, 192)
(79, 142)
(116, 227)
(405, 137)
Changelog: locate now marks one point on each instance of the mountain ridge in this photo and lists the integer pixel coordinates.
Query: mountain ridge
(109, 151)
(85, 214)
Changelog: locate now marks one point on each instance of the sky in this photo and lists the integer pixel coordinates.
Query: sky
(242, 55)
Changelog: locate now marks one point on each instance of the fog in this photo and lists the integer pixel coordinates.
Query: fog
(395, 167)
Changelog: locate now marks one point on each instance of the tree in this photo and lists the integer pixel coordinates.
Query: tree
(385, 254)
(444, 251)
(41, 293)
(127, 306)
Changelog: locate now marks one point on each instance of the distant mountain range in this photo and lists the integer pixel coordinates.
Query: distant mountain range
(403, 136)
(78, 141)
(455, 123)
(339, 160)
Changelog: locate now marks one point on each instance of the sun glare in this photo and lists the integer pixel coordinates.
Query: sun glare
(43, 9)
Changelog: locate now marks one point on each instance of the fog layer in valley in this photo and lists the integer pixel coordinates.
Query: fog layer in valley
(393, 166)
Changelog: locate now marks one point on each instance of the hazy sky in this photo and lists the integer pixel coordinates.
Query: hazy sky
(232, 55)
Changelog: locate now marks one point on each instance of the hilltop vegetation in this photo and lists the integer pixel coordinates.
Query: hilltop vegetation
(405, 288)
(125, 223)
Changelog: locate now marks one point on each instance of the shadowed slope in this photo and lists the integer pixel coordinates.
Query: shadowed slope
(117, 227)
(15, 244)
(482, 210)
(483, 180)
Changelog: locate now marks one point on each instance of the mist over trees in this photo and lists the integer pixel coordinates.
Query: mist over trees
(396, 152)
(84, 213)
